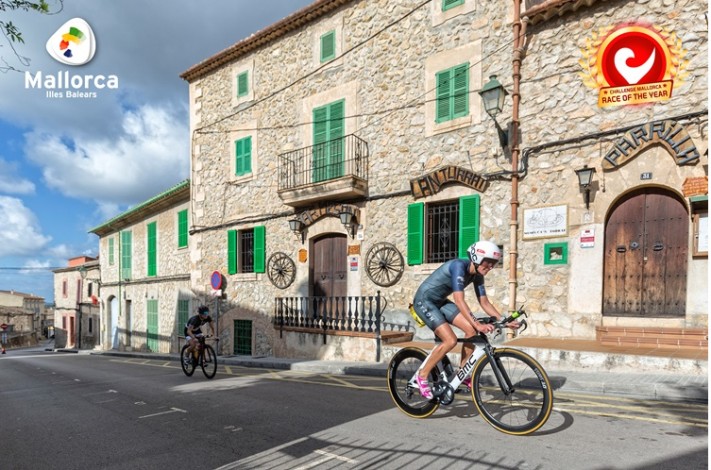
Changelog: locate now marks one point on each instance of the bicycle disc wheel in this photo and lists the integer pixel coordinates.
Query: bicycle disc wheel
(209, 361)
(527, 407)
(403, 367)
(186, 361)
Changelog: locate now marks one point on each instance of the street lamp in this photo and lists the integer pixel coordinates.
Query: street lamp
(493, 95)
(585, 176)
(349, 221)
(297, 226)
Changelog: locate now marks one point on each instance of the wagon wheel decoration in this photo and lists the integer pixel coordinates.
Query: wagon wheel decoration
(384, 264)
(281, 270)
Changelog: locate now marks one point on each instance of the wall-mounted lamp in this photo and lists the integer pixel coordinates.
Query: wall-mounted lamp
(350, 222)
(297, 226)
(493, 95)
(585, 176)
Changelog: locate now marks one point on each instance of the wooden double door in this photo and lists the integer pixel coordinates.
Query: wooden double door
(646, 251)
(329, 266)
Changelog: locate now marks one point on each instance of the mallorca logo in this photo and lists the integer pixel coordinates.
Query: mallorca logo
(633, 64)
(73, 43)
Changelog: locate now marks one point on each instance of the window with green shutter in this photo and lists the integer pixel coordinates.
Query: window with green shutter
(447, 4)
(242, 84)
(246, 250)
(452, 93)
(329, 127)
(441, 231)
(152, 249)
(243, 156)
(111, 251)
(183, 228)
(328, 46)
(126, 259)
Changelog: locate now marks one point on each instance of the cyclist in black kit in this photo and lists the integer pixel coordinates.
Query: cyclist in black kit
(192, 327)
(433, 306)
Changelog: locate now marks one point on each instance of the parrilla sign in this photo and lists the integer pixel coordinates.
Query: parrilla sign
(432, 183)
(669, 134)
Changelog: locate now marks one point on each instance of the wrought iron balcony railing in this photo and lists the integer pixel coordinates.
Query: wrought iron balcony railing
(324, 162)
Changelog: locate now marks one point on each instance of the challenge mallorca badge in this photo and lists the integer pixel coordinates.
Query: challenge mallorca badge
(633, 64)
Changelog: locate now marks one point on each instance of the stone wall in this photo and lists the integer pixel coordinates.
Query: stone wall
(387, 84)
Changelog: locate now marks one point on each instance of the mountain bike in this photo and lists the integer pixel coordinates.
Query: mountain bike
(510, 389)
(203, 355)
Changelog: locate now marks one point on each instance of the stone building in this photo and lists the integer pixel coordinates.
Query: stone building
(341, 154)
(620, 87)
(23, 315)
(145, 281)
(77, 318)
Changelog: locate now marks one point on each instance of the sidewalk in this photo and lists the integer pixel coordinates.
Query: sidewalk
(594, 376)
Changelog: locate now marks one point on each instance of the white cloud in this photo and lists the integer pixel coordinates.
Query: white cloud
(149, 156)
(34, 266)
(9, 181)
(21, 233)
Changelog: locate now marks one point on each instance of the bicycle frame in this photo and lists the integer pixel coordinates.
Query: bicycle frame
(485, 349)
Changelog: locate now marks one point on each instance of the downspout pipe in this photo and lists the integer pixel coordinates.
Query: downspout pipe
(519, 34)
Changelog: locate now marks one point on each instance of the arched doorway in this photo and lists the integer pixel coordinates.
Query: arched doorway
(328, 268)
(645, 260)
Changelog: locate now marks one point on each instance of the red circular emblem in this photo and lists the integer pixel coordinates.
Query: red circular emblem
(634, 55)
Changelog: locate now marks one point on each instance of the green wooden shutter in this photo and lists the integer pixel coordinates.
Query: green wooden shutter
(152, 325)
(460, 91)
(452, 96)
(320, 139)
(447, 4)
(232, 251)
(183, 228)
(243, 156)
(328, 46)
(468, 222)
(183, 314)
(126, 242)
(111, 251)
(337, 112)
(442, 112)
(242, 84)
(152, 249)
(259, 248)
(415, 233)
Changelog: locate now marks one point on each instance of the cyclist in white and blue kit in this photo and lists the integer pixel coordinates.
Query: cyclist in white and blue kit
(433, 306)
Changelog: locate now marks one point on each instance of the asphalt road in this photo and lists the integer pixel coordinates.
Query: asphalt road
(69, 411)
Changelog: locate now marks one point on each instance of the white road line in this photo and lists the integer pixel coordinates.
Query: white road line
(327, 456)
(172, 410)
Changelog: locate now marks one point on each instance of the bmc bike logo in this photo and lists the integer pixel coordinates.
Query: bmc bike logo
(633, 64)
(73, 43)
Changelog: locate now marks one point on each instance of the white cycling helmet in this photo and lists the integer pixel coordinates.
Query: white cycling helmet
(484, 250)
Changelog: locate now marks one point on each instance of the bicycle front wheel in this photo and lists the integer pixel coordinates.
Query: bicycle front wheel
(209, 361)
(405, 393)
(529, 401)
(186, 361)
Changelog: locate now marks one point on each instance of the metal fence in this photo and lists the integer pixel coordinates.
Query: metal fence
(345, 156)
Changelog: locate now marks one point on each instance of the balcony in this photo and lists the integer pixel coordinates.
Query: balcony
(333, 170)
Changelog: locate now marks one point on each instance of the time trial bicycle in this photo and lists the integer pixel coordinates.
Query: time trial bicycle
(203, 355)
(510, 389)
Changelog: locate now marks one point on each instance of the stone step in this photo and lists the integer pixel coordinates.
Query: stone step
(672, 342)
(662, 337)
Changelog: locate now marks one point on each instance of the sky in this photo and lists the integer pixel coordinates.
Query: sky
(68, 164)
